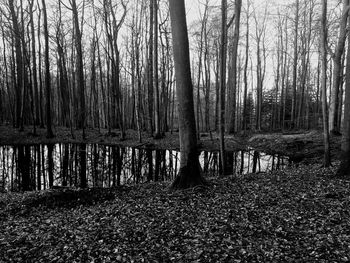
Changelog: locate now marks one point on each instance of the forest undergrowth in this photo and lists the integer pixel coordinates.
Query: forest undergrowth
(301, 214)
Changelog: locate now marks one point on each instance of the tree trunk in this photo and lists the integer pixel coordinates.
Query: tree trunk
(79, 68)
(150, 91)
(157, 126)
(232, 119)
(41, 110)
(190, 172)
(344, 168)
(327, 156)
(49, 132)
(223, 54)
(35, 77)
(200, 73)
(334, 124)
(19, 62)
(245, 75)
(295, 65)
(260, 32)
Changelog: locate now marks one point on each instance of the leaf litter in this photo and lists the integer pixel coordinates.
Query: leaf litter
(301, 214)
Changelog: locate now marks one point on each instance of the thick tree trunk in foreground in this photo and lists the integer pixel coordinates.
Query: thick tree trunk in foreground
(190, 172)
(327, 156)
(344, 169)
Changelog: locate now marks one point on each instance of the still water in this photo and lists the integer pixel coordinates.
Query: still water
(39, 167)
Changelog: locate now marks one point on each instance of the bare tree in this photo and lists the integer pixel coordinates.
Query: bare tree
(295, 64)
(157, 117)
(323, 42)
(223, 57)
(344, 168)
(79, 66)
(49, 133)
(189, 174)
(150, 91)
(19, 61)
(233, 72)
(260, 35)
(334, 126)
(245, 74)
(34, 73)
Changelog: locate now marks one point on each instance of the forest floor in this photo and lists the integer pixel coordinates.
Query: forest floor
(301, 146)
(301, 214)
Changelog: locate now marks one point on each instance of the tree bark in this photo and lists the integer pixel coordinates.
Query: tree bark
(190, 172)
(19, 62)
(150, 91)
(35, 77)
(49, 132)
(223, 55)
(344, 168)
(327, 156)
(232, 120)
(79, 67)
(295, 65)
(157, 118)
(334, 124)
(245, 75)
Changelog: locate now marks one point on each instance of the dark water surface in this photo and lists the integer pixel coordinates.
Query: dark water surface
(38, 167)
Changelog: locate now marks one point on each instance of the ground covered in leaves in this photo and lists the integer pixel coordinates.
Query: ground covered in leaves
(298, 215)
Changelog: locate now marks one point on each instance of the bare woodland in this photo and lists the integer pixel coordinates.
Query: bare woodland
(120, 65)
(174, 131)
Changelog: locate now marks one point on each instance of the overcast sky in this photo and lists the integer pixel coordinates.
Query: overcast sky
(194, 8)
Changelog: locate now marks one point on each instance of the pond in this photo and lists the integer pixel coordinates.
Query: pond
(39, 167)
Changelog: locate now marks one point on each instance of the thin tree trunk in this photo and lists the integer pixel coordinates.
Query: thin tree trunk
(150, 98)
(232, 118)
(344, 168)
(19, 62)
(295, 65)
(327, 156)
(49, 132)
(79, 67)
(245, 74)
(223, 54)
(157, 117)
(334, 124)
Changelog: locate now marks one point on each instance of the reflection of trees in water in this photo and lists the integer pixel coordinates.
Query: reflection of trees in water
(25, 167)
(23, 157)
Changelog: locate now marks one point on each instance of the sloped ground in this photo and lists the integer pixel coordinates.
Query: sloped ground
(298, 215)
(306, 147)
